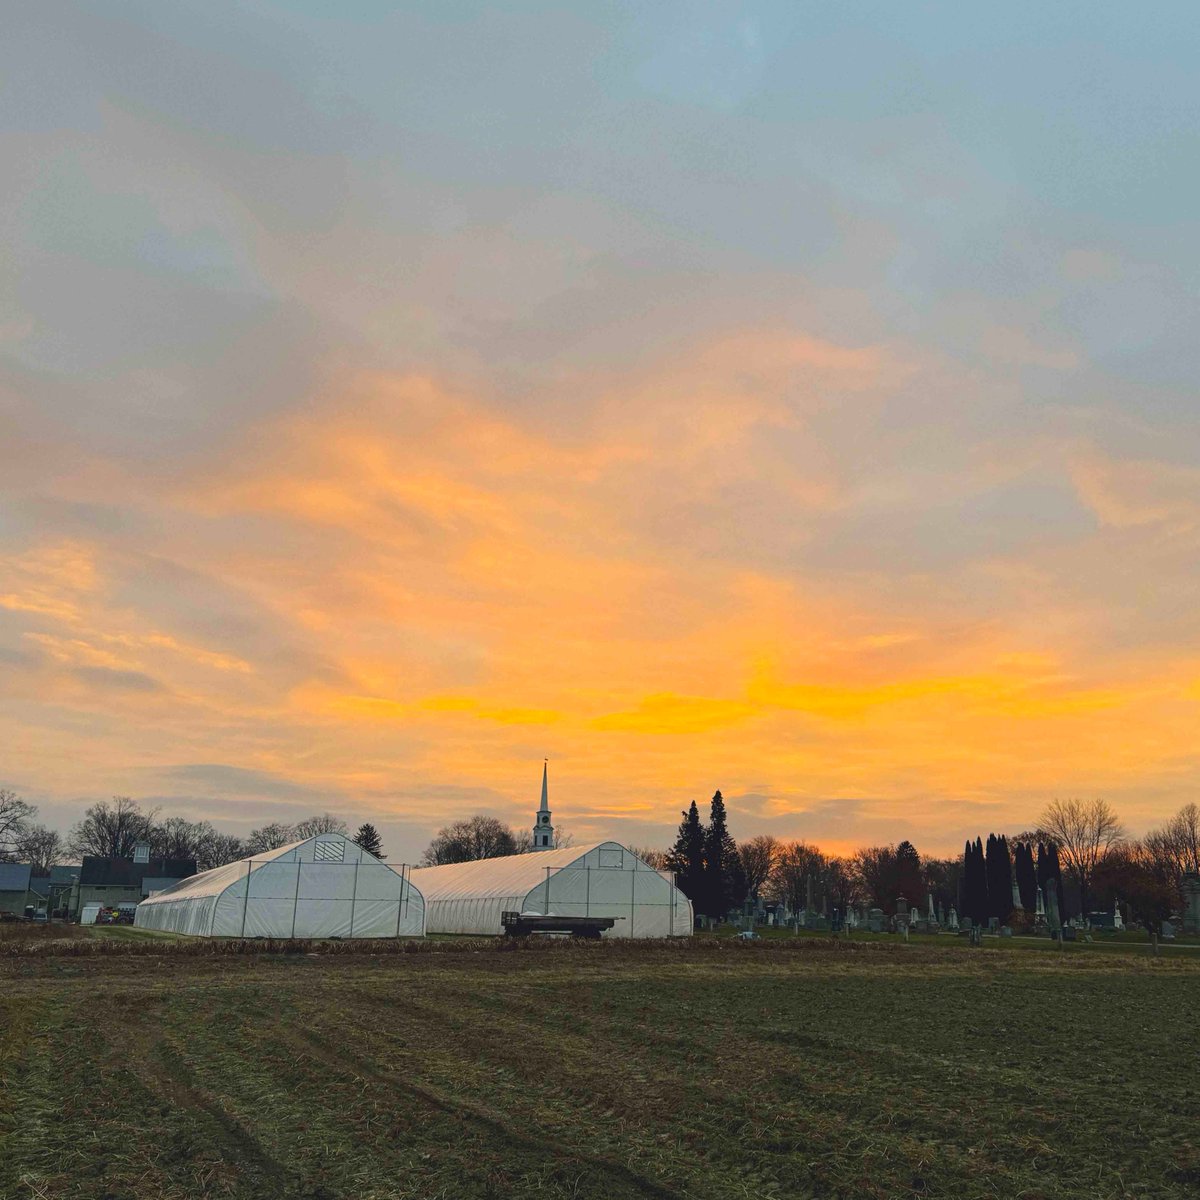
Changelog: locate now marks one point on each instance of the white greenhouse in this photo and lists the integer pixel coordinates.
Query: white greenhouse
(325, 886)
(602, 880)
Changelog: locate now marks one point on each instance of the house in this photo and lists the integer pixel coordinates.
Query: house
(112, 881)
(14, 887)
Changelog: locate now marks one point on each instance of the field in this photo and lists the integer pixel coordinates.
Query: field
(151, 1069)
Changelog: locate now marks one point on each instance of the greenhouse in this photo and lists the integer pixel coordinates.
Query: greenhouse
(325, 886)
(602, 880)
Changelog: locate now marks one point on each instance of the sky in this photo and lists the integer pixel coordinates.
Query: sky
(795, 399)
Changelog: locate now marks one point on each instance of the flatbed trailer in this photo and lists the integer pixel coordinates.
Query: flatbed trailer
(524, 924)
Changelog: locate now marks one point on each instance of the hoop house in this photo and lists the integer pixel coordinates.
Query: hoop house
(325, 886)
(602, 880)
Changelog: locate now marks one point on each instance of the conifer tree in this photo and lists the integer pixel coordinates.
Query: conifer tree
(722, 865)
(999, 878)
(368, 838)
(1026, 875)
(686, 858)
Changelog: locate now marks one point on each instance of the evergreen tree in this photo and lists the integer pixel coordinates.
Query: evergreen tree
(368, 838)
(999, 878)
(1026, 874)
(975, 883)
(686, 858)
(1049, 875)
(722, 865)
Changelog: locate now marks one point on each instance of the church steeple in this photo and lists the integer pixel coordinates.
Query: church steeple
(543, 831)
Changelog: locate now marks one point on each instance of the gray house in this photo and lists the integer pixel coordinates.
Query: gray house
(14, 887)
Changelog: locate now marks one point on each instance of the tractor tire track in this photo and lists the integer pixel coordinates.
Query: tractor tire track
(345, 1062)
(160, 1069)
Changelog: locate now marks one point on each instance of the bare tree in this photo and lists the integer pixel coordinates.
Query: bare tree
(465, 841)
(219, 849)
(758, 860)
(270, 837)
(325, 823)
(1084, 831)
(795, 863)
(1175, 848)
(111, 830)
(660, 860)
(41, 848)
(177, 837)
(15, 816)
(562, 839)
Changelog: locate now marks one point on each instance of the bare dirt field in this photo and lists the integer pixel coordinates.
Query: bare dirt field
(152, 1069)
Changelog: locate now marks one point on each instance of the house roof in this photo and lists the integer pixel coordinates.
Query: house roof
(124, 872)
(14, 877)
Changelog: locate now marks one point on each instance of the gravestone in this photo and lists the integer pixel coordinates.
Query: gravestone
(1191, 902)
(1168, 931)
(953, 924)
(1005, 931)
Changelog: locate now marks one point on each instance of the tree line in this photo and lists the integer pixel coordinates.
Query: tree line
(1079, 850)
(112, 828)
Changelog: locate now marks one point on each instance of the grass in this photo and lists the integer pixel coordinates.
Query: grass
(785, 1068)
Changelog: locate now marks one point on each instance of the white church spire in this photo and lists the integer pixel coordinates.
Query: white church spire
(543, 831)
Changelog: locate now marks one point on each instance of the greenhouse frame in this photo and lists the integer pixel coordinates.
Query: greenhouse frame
(322, 887)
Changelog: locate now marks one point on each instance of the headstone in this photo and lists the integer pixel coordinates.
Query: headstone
(966, 924)
(953, 923)
(1069, 933)
(993, 924)
(1191, 902)
(875, 920)
(1016, 897)
(1005, 931)
(932, 915)
(1053, 920)
(1168, 931)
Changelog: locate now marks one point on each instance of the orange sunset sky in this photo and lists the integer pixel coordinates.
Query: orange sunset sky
(741, 396)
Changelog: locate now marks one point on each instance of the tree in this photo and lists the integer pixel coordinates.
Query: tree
(560, 840)
(660, 860)
(1134, 875)
(15, 817)
(795, 863)
(1026, 875)
(368, 838)
(839, 883)
(41, 848)
(1049, 874)
(758, 859)
(1084, 831)
(999, 878)
(908, 873)
(219, 849)
(885, 873)
(325, 823)
(974, 900)
(724, 885)
(1175, 848)
(943, 879)
(686, 857)
(270, 837)
(111, 830)
(177, 837)
(465, 841)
